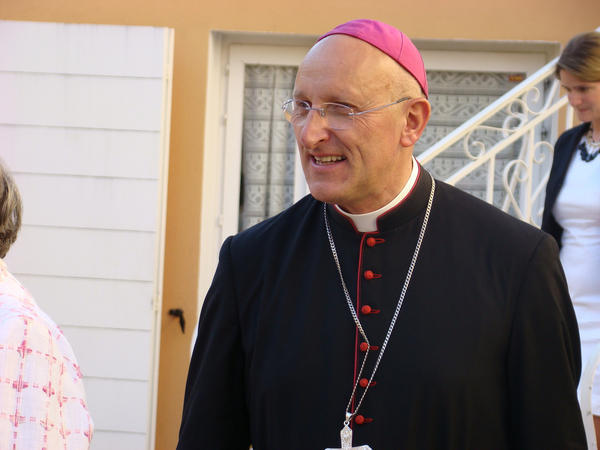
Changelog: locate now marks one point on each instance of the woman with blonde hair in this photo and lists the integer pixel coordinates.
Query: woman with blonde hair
(572, 206)
(42, 400)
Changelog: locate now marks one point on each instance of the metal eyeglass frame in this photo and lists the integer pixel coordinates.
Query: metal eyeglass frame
(323, 109)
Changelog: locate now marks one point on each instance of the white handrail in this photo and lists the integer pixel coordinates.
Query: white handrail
(488, 112)
(501, 145)
(527, 107)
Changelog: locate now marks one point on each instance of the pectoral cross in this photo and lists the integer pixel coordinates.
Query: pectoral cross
(346, 438)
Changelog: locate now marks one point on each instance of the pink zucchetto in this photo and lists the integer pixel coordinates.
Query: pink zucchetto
(390, 41)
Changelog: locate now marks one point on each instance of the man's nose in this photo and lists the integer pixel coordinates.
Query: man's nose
(314, 130)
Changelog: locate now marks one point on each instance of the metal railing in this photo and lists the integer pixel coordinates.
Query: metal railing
(509, 145)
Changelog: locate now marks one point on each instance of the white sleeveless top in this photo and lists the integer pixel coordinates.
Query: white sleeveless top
(577, 210)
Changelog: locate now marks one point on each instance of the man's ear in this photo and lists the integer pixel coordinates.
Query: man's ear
(417, 116)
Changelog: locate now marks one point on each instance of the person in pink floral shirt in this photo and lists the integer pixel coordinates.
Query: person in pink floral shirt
(42, 399)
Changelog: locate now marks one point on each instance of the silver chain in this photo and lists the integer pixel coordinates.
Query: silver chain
(349, 415)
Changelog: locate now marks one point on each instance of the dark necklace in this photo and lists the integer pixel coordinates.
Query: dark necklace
(588, 148)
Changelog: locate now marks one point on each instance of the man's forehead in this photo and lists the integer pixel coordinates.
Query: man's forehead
(342, 50)
(344, 67)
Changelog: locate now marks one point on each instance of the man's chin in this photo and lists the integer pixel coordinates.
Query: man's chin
(324, 195)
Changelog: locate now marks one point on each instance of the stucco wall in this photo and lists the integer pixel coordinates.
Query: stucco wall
(547, 20)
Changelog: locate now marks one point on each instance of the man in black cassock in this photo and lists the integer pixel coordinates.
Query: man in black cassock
(386, 309)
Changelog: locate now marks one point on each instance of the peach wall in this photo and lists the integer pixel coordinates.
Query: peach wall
(548, 20)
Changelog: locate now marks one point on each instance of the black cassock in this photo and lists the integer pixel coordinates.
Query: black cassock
(484, 355)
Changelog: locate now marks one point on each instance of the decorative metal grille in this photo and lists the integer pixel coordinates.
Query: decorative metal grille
(490, 134)
(268, 144)
(455, 98)
(504, 152)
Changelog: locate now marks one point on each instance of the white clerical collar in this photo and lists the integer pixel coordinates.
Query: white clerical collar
(368, 221)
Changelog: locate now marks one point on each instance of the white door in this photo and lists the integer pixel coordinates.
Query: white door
(224, 136)
(251, 94)
(84, 126)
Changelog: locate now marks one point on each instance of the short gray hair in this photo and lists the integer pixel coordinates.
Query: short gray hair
(10, 210)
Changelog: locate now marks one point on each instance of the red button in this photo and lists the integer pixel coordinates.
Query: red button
(359, 419)
(366, 309)
(364, 382)
(369, 275)
(364, 346)
(371, 242)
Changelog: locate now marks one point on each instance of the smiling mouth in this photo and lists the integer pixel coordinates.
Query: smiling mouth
(322, 160)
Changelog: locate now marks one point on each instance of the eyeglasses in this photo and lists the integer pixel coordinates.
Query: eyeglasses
(338, 116)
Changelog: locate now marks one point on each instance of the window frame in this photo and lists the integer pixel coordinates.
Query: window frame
(239, 57)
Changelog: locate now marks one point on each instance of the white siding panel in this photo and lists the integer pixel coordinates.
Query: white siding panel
(82, 49)
(118, 405)
(84, 113)
(107, 440)
(93, 303)
(109, 203)
(108, 153)
(104, 353)
(121, 255)
(86, 102)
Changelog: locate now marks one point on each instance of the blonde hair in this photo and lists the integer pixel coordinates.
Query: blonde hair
(581, 57)
(10, 211)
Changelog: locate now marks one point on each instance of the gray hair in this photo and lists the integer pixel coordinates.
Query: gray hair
(10, 210)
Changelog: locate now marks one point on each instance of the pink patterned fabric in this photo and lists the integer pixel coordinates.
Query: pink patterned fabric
(42, 400)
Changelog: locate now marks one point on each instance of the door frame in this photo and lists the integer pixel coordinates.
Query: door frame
(239, 57)
(163, 173)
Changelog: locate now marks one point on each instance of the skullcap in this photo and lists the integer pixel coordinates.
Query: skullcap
(390, 41)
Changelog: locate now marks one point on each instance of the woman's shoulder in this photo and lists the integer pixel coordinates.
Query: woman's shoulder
(21, 319)
(575, 132)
